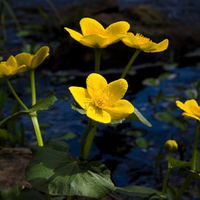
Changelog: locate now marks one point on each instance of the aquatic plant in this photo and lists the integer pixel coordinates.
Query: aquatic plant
(52, 170)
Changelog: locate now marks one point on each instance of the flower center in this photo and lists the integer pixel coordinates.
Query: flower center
(141, 39)
(96, 31)
(100, 99)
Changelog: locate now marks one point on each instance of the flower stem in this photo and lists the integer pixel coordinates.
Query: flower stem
(33, 92)
(86, 140)
(130, 63)
(97, 60)
(166, 177)
(33, 116)
(194, 154)
(15, 94)
(183, 187)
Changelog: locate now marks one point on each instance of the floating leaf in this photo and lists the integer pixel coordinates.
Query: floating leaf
(164, 76)
(139, 192)
(177, 163)
(135, 133)
(142, 143)
(42, 104)
(53, 171)
(137, 116)
(151, 82)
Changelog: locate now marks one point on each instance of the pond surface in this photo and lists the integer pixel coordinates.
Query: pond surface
(117, 146)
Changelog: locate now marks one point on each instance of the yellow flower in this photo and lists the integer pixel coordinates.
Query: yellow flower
(32, 61)
(96, 36)
(191, 108)
(138, 41)
(10, 67)
(102, 101)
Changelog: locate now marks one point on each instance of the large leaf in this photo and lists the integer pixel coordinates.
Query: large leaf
(42, 104)
(53, 171)
(138, 191)
(137, 116)
(177, 163)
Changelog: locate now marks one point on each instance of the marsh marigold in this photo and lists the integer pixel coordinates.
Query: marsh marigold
(96, 36)
(32, 61)
(138, 41)
(102, 101)
(191, 108)
(10, 67)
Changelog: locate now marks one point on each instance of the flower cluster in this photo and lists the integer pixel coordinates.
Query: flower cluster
(23, 62)
(96, 36)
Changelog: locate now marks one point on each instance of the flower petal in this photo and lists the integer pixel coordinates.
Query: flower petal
(187, 115)
(120, 110)
(39, 57)
(89, 26)
(11, 62)
(130, 40)
(117, 90)
(117, 31)
(4, 70)
(94, 41)
(74, 34)
(81, 96)
(160, 46)
(95, 82)
(98, 114)
(186, 106)
(24, 59)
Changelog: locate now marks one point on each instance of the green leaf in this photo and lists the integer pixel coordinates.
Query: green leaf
(77, 107)
(138, 191)
(164, 76)
(10, 193)
(137, 116)
(53, 171)
(165, 117)
(142, 143)
(177, 163)
(42, 104)
(157, 97)
(151, 82)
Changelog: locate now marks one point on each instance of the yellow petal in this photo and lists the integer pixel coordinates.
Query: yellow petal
(130, 40)
(120, 110)
(187, 115)
(95, 41)
(11, 62)
(117, 31)
(160, 46)
(74, 34)
(24, 59)
(39, 57)
(90, 26)
(116, 90)
(4, 70)
(98, 114)
(81, 96)
(94, 83)
(185, 106)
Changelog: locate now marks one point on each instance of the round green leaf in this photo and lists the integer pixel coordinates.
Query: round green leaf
(53, 171)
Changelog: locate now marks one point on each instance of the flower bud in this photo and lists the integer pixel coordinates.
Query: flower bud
(171, 145)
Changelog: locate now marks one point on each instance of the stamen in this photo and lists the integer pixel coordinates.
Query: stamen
(141, 39)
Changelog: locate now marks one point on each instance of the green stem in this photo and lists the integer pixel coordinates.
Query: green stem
(33, 116)
(86, 140)
(183, 187)
(36, 126)
(83, 140)
(15, 95)
(194, 154)
(130, 63)
(97, 60)
(166, 177)
(33, 92)
(89, 141)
